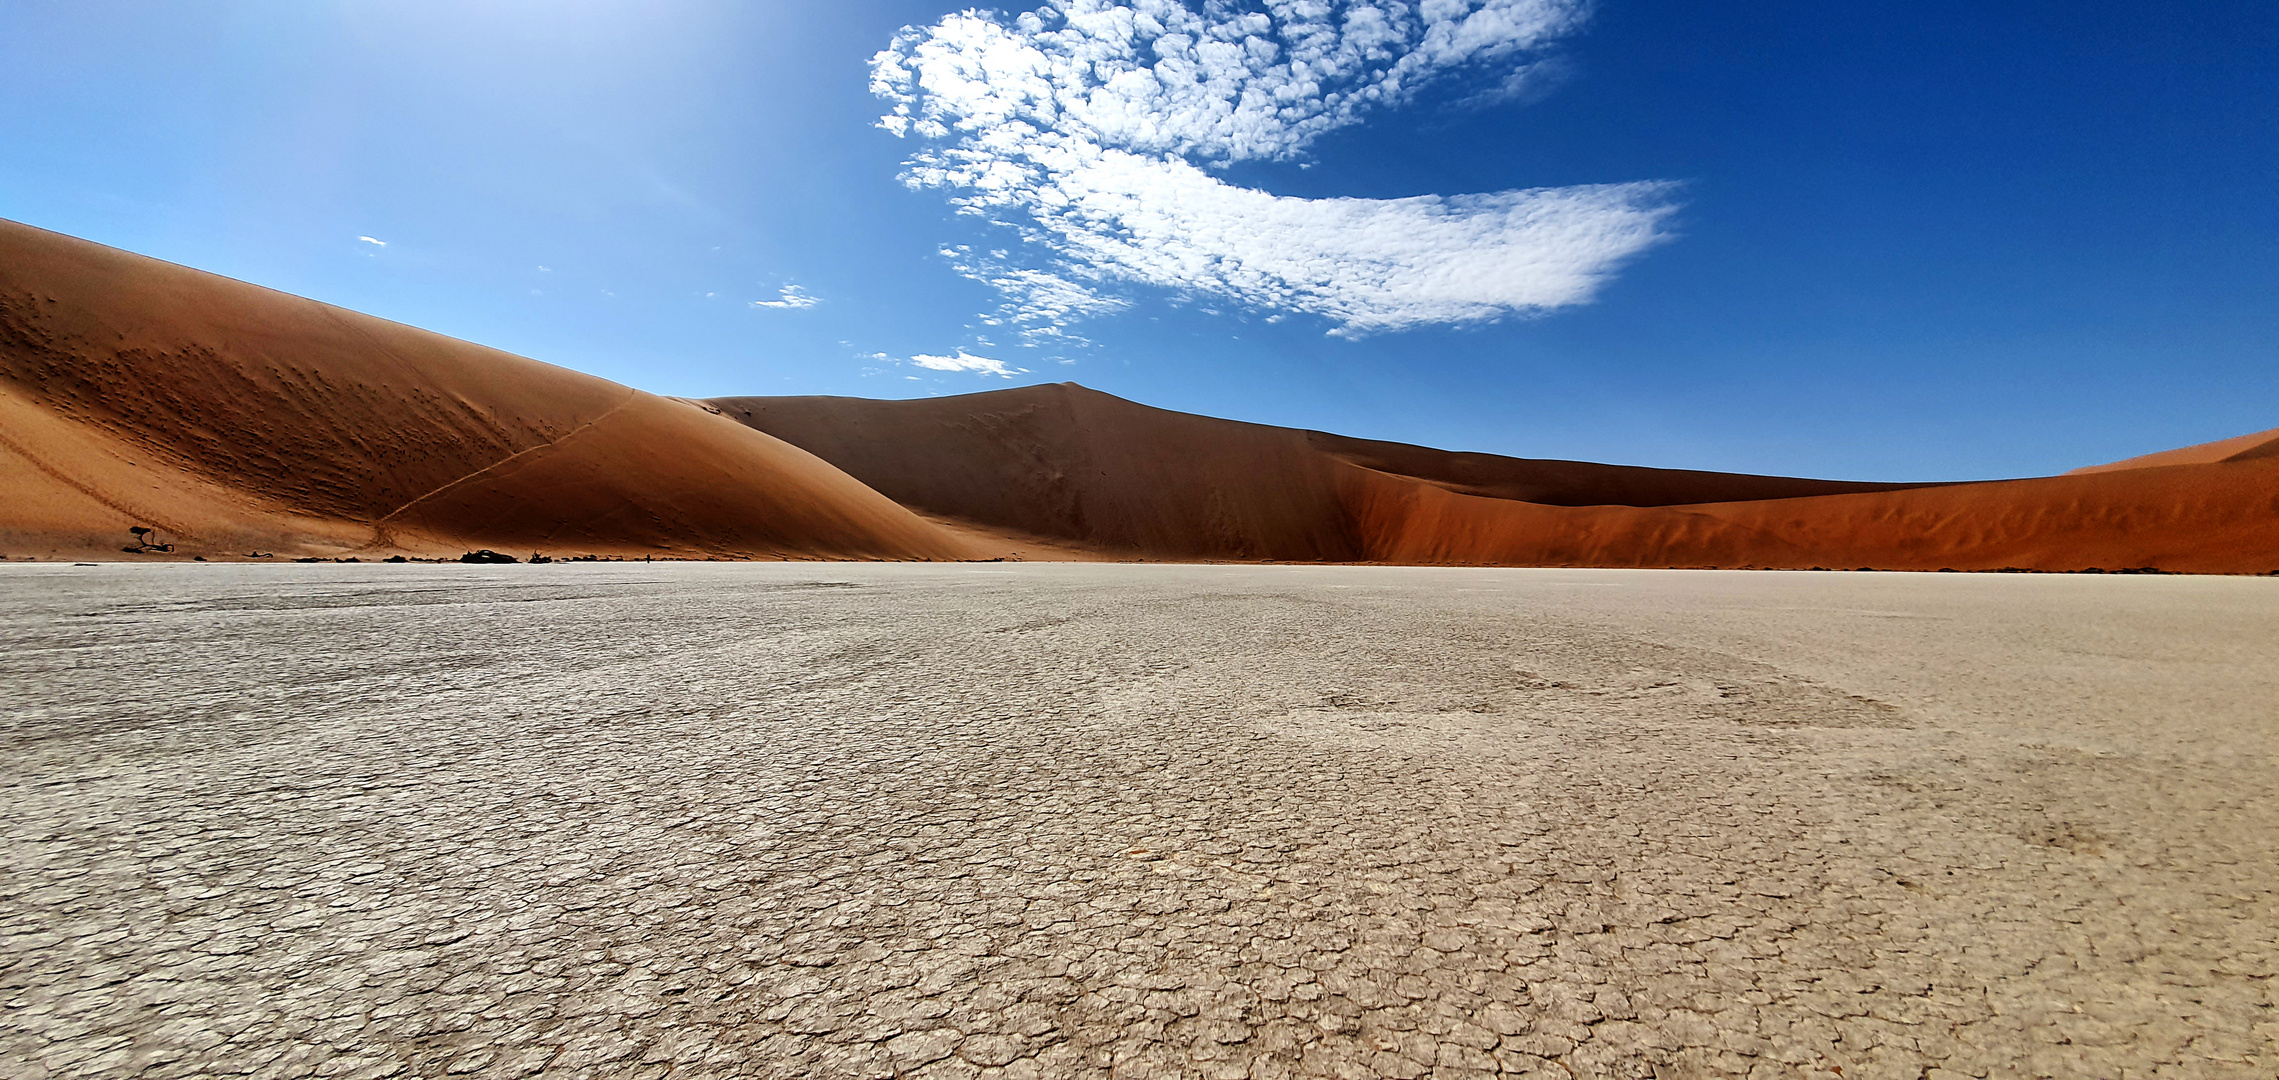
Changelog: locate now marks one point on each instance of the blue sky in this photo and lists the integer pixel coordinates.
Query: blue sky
(1938, 240)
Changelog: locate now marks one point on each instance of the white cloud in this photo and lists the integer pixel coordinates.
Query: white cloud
(792, 297)
(370, 240)
(1082, 124)
(1040, 303)
(965, 361)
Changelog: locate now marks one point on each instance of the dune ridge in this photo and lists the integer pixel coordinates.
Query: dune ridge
(1088, 468)
(1075, 464)
(1577, 483)
(2249, 447)
(1066, 461)
(238, 420)
(235, 418)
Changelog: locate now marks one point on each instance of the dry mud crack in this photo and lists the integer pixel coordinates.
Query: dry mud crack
(1134, 821)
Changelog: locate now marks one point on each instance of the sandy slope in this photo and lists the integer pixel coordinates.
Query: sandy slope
(1063, 461)
(2217, 519)
(2261, 444)
(1066, 461)
(234, 418)
(1088, 468)
(1574, 483)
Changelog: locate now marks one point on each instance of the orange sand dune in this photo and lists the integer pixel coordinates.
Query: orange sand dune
(1574, 483)
(1083, 467)
(1068, 462)
(2214, 519)
(1065, 462)
(233, 418)
(2261, 444)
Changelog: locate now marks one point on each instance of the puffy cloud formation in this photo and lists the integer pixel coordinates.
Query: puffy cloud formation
(1086, 125)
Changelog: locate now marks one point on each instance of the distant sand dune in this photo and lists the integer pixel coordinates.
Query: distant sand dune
(1091, 469)
(2193, 519)
(2261, 444)
(1066, 462)
(236, 419)
(137, 392)
(1574, 483)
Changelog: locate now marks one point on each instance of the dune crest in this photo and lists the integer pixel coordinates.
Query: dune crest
(2250, 447)
(1087, 468)
(235, 418)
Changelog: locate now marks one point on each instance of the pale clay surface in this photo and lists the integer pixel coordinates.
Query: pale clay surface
(955, 821)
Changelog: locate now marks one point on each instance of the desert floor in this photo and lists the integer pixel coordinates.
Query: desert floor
(1142, 820)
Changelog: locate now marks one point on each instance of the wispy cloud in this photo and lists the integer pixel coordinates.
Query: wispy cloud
(373, 241)
(1524, 85)
(1040, 304)
(965, 361)
(792, 297)
(1086, 126)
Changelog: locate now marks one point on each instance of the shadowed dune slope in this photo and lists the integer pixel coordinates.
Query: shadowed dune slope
(1574, 483)
(232, 417)
(1070, 463)
(1067, 462)
(2261, 444)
